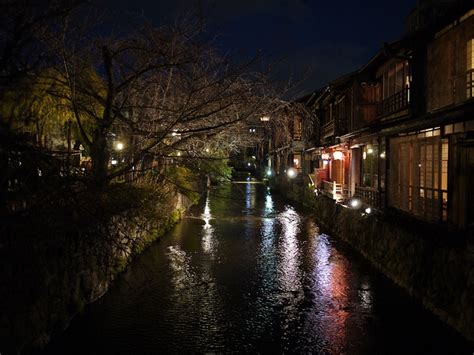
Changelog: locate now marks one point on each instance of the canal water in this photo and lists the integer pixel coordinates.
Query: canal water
(247, 271)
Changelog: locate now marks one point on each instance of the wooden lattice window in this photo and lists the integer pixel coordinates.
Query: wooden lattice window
(419, 175)
(470, 69)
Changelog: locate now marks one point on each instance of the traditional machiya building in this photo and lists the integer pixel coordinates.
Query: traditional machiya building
(297, 144)
(411, 136)
(432, 157)
(382, 97)
(328, 158)
(399, 132)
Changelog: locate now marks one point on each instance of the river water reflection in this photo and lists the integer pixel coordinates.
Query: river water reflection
(245, 272)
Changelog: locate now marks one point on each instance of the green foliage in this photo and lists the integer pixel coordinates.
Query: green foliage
(42, 108)
(30, 108)
(183, 178)
(217, 168)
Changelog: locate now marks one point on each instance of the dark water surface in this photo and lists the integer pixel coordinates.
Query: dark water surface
(246, 272)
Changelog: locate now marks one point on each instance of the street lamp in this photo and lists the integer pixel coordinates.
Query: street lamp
(119, 146)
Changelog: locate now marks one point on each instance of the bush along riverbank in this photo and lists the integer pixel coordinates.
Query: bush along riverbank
(434, 265)
(59, 259)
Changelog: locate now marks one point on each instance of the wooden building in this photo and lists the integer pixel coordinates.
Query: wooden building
(399, 132)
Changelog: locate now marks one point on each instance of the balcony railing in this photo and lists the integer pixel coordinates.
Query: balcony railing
(396, 102)
(370, 196)
(328, 129)
(428, 203)
(334, 190)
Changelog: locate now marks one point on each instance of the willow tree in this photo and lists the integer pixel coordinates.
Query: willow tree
(162, 88)
(31, 107)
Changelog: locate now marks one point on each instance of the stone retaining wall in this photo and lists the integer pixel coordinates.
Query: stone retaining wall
(45, 285)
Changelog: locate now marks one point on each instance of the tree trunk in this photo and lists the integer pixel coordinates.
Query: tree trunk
(100, 158)
(68, 157)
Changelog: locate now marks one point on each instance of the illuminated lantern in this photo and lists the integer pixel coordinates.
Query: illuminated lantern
(338, 155)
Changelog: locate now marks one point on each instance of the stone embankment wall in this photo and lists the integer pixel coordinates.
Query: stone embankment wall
(46, 282)
(434, 265)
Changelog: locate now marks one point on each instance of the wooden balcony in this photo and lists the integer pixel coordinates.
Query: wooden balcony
(328, 129)
(396, 102)
(334, 190)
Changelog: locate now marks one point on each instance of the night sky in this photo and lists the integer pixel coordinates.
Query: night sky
(319, 40)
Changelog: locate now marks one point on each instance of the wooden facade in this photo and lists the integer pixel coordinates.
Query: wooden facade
(402, 127)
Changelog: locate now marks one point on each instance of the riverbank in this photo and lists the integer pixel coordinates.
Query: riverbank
(62, 258)
(433, 265)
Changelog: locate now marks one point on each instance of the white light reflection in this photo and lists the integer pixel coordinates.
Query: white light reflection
(268, 227)
(268, 204)
(290, 274)
(365, 296)
(322, 272)
(250, 197)
(208, 302)
(183, 277)
(289, 268)
(267, 264)
(208, 240)
(250, 203)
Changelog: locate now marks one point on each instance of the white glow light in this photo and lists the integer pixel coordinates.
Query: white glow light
(291, 173)
(355, 203)
(119, 146)
(368, 210)
(338, 155)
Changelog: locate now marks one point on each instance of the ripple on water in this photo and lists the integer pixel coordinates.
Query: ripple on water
(248, 274)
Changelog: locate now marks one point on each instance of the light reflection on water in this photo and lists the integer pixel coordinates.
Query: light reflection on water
(209, 242)
(247, 274)
(289, 268)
